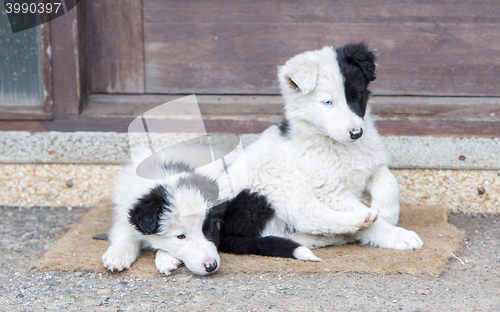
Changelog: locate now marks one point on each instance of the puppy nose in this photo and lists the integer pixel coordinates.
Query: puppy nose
(356, 133)
(210, 266)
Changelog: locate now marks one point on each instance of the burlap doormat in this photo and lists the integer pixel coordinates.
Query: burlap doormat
(77, 250)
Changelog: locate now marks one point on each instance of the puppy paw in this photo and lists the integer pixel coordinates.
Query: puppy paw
(399, 239)
(371, 216)
(403, 240)
(165, 262)
(119, 258)
(359, 221)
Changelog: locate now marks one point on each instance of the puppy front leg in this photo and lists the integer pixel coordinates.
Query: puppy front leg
(384, 233)
(319, 219)
(124, 248)
(384, 192)
(165, 262)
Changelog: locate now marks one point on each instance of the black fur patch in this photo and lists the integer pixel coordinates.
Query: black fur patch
(271, 246)
(246, 215)
(357, 65)
(284, 127)
(211, 230)
(243, 219)
(213, 223)
(145, 214)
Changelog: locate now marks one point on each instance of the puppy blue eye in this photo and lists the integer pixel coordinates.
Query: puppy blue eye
(181, 236)
(328, 103)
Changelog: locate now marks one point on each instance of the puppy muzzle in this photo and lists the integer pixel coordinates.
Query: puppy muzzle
(355, 133)
(210, 266)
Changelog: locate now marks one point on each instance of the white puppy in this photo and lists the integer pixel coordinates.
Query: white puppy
(314, 167)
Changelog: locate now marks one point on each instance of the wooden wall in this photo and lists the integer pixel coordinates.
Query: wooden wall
(115, 46)
(426, 47)
(116, 55)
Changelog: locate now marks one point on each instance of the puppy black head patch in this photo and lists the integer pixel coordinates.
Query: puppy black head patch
(357, 65)
(213, 223)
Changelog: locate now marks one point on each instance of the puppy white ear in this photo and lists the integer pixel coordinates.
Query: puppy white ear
(299, 74)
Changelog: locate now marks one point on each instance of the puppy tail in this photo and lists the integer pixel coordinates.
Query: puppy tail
(272, 246)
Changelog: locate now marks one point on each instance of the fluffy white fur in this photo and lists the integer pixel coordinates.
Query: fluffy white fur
(188, 211)
(315, 176)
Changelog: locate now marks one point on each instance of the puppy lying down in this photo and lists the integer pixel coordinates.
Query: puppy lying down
(184, 218)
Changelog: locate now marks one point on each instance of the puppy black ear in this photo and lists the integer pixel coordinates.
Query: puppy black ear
(146, 213)
(360, 55)
(213, 222)
(298, 74)
(217, 211)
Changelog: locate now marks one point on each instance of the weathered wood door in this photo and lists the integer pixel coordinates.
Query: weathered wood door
(428, 47)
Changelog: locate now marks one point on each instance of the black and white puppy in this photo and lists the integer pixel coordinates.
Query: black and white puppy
(181, 217)
(168, 215)
(313, 169)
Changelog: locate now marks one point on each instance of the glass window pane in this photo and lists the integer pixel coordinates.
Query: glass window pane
(20, 65)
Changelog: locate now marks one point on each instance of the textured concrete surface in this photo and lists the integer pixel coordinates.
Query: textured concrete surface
(74, 147)
(84, 185)
(444, 153)
(113, 148)
(55, 184)
(471, 282)
(459, 190)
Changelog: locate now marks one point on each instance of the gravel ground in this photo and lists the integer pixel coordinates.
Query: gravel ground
(472, 282)
(84, 185)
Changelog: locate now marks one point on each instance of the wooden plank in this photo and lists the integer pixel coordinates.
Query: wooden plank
(83, 51)
(65, 71)
(439, 128)
(453, 128)
(395, 116)
(270, 107)
(24, 113)
(436, 108)
(116, 46)
(119, 124)
(446, 48)
(101, 105)
(323, 11)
